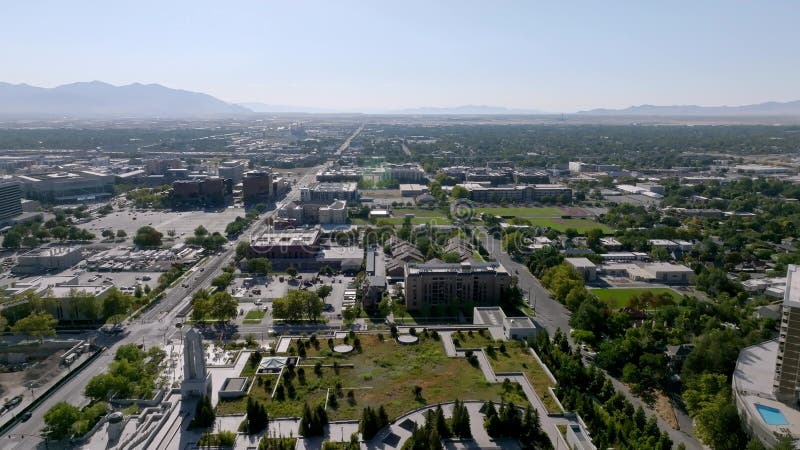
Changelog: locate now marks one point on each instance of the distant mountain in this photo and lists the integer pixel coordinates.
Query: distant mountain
(96, 99)
(760, 109)
(267, 108)
(467, 109)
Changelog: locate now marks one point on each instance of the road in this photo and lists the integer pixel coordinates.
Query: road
(346, 144)
(552, 315)
(154, 327)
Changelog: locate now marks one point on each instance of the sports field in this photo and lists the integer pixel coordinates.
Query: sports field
(618, 297)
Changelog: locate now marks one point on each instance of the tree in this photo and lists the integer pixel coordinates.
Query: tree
(297, 305)
(115, 303)
(460, 421)
(417, 391)
(200, 231)
(241, 249)
(459, 192)
(223, 306)
(60, 418)
(121, 234)
(12, 239)
(38, 325)
(324, 291)
(203, 414)
(147, 236)
(292, 272)
(259, 266)
(108, 234)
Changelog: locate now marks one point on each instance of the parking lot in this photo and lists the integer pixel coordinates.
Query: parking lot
(183, 222)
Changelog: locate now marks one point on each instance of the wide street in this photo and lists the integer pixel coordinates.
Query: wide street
(153, 327)
(552, 315)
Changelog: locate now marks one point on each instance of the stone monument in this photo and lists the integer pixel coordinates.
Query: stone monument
(196, 380)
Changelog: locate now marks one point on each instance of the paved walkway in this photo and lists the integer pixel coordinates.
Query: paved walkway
(399, 431)
(548, 422)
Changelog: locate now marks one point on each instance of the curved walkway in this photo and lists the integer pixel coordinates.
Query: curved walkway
(548, 422)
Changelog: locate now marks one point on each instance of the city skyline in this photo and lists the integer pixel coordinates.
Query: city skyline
(375, 58)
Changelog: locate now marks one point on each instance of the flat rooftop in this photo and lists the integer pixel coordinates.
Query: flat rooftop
(288, 237)
(414, 268)
(492, 316)
(791, 297)
(580, 262)
(51, 251)
(752, 383)
(234, 384)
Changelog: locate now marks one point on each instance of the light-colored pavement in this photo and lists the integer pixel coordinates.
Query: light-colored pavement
(152, 328)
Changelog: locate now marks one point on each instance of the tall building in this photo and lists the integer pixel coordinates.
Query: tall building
(787, 367)
(10, 200)
(232, 169)
(464, 284)
(257, 187)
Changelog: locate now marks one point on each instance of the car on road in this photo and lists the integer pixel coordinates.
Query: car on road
(25, 416)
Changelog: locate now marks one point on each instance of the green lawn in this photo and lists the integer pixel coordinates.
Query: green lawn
(518, 358)
(418, 212)
(523, 212)
(384, 373)
(618, 297)
(472, 339)
(254, 316)
(433, 220)
(582, 225)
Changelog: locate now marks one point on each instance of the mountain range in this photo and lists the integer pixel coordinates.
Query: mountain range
(782, 109)
(97, 99)
(467, 109)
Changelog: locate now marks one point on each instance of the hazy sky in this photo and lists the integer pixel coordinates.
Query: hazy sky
(378, 54)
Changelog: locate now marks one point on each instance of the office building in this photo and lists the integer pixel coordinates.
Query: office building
(335, 213)
(328, 192)
(583, 266)
(257, 187)
(518, 193)
(233, 170)
(465, 284)
(201, 192)
(404, 173)
(67, 187)
(285, 248)
(160, 166)
(787, 368)
(47, 259)
(766, 380)
(10, 200)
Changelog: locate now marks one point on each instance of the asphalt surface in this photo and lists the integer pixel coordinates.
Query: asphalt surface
(153, 327)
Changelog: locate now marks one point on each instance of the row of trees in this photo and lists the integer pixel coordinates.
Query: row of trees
(219, 306)
(298, 305)
(66, 420)
(37, 231)
(312, 422)
(132, 374)
(372, 421)
(209, 241)
(509, 421)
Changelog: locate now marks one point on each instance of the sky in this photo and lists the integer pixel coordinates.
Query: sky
(377, 55)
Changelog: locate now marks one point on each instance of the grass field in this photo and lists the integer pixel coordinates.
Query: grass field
(254, 316)
(383, 373)
(523, 212)
(518, 358)
(618, 297)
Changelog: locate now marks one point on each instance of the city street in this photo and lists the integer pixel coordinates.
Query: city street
(154, 327)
